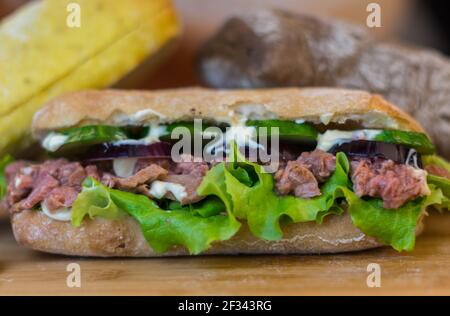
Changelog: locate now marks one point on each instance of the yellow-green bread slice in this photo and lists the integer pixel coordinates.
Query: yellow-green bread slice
(41, 57)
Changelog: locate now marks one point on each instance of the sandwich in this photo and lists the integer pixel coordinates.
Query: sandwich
(353, 172)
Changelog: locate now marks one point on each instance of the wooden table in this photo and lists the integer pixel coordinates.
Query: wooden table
(424, 271)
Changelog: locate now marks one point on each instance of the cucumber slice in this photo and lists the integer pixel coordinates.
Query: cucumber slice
(94, 134)
(189, 125)
(289, 130)
(76, 137)
(418, 141)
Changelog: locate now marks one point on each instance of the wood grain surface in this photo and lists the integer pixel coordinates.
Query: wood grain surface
(422, 272)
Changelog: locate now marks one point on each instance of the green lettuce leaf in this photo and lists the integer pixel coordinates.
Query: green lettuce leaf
(214, 184)
(264, 210)
(4, 162)
(396, 228)
(439, 182)
(436, 160)
(207, 207)
(257, 202)
(163, 229)
(94, 200)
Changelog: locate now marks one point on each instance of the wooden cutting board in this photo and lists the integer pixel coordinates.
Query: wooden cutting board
(424, 271)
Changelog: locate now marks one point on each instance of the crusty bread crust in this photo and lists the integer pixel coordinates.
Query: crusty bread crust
(118, 107)
(123, 238)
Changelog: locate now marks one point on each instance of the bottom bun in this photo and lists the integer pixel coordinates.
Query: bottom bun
(123, 238)
(3, 212)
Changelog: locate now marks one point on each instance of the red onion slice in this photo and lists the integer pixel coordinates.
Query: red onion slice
(110, 151)
(374, 149)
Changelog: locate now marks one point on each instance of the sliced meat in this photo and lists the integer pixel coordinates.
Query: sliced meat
(145, 162)
(187, 173)
(286, 156)
(20, 183)
(320, 163)
(189, 182)
(438, 171)
(92, 171)
(60, 197)
(298, 179)
(190, 175)
(71, 174)
(45, 183)
(146, 175)
(15, 194)
(23, 182)
(52, 167)
(58, 182)
(394, 183)
(14, 169)
(189, 167)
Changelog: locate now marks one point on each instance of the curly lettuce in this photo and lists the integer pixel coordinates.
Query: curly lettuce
(4, 162)
(194, 227)
(396, 228)
(439, 182)
(256, 201)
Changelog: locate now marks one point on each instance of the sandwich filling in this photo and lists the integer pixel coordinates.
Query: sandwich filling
(383, 178)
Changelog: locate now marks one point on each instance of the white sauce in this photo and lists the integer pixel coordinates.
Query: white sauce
(326, 118)
(160, 188)
(144, 114)
(411, 159)
(370, 120)
(17, 181)
(154, 133)
(422, 176)
(54, 141)
(334, 137)
(27, 171)
(252, 111)
(240, 134)
(124, 167)
(62, 215)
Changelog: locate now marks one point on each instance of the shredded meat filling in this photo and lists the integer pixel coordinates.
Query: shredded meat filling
(147, 174)
(57, 183)
(394, 183)
(187, 173)
(54, 182)
(302, 176)
(297, 178)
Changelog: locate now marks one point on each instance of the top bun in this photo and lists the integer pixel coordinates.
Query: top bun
(317, 105)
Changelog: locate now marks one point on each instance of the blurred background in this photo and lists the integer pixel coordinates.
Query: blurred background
(423, 23)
